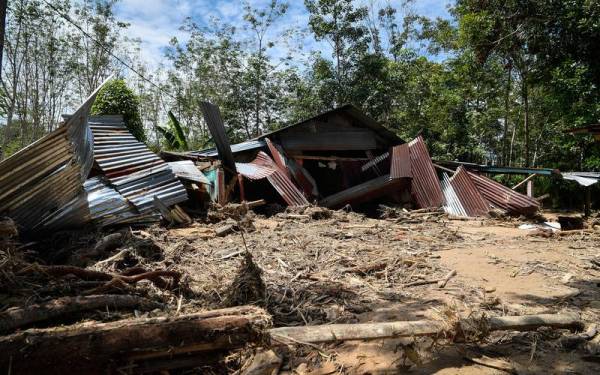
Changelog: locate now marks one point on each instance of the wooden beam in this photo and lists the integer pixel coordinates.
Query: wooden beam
(523, 182)
(372, 331)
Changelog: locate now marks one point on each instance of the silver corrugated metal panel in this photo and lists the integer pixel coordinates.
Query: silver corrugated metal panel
(582, 178)
(137, 173)
(426, 187)
(503, 197)
(187, 170)
(116, 151)
(238, 147)
(468, 194)
(264, 167)
(453, 205)
(212, 117)
(141, 187)
(49, 173)
(98, 204)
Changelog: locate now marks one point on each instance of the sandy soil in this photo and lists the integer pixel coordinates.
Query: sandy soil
(318, 271)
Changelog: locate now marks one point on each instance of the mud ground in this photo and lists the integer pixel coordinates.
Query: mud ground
(349, 268)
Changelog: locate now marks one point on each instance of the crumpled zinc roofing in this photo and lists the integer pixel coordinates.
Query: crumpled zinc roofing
(504, 197)
(426, 188)
(131, 168)
(468, 194)
(453, 205)
(264, 167)
(48, 173)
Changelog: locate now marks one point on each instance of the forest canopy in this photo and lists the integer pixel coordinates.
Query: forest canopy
(496, 82)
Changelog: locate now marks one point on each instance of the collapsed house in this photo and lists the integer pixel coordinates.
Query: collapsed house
(343, 157)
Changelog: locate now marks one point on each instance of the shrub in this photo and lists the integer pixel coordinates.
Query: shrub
(115, 98)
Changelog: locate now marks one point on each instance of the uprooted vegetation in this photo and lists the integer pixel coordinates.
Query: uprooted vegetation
(305, 266)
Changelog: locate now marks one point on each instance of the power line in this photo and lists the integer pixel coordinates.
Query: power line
(105, 48)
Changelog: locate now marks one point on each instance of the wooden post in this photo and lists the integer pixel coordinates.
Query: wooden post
(242, 192)
(588, 201)
(530, 188)
(222, 189)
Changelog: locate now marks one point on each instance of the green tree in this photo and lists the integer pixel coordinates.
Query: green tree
(115, 98)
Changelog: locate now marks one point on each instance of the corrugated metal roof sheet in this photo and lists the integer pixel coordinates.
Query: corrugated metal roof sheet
(453, 205)
(503, 197)
(187, 170)
(212, 117)
(116, 151)
(467, 193)
(400, 166)
(99, 204)
(136, 172)
(238, 147)
(264, 167)
(426, 187)
(47, 174)
(582, 178)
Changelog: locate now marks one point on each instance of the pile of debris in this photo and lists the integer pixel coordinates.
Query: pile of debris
(153, 302)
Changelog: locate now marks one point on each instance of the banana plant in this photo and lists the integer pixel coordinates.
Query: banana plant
(174, 134)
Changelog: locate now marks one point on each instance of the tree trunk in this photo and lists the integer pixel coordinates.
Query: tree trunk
(525, 95)
(506, 116)
(64, 307)
(102, 347)
(2, 28)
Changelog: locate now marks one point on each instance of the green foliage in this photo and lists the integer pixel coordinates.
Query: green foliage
(174, 134)
(115, 98)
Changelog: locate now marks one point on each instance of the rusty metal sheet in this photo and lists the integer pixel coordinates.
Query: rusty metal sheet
(264, 167)
(426, 188)
(400, 167)
(468, 194)
(364, 192)
(504, 197)
(292, 169)
(48, 173)
(278, 157)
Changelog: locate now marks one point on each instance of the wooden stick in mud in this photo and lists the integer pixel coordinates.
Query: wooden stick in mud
(372, 331)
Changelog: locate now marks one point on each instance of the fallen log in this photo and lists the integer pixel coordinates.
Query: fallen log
(19, 317)
(102, 347)
(372, 331)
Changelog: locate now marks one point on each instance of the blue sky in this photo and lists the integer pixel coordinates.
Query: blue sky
(155, 22)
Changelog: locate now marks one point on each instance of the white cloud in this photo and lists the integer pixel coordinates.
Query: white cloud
(155, 22)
